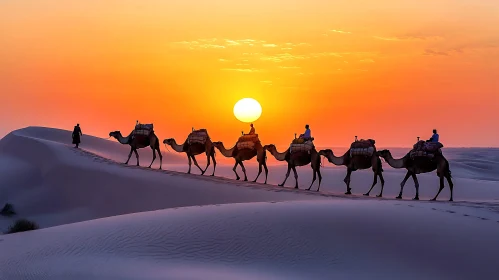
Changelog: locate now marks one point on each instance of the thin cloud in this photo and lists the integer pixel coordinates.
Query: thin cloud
(246, 70)
(409, 38)
(435, 53)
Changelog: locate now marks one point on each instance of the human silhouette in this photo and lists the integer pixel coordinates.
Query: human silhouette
(252, 130)
(307, 135)
(76, 135)
(435, 137)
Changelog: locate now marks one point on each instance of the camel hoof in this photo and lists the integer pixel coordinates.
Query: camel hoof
(212, 175)
(296, 187)
(451, 199)
(433, 199)
(416, 198)
(348, 192)
(281, 185)
(399, 197)
(366, 194)
(379, 195)
(237, 179)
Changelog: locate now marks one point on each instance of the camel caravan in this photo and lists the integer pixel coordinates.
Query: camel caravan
(425, 156)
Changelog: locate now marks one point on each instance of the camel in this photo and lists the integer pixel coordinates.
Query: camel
(194, 149)
(139, 143)
(357, 162)
(299, 158)
(241, 155)
(419, 165)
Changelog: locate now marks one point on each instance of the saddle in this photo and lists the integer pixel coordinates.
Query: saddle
(143, 130)
(426, 149)
(301, 146)
(198, 136)
(363, 148)
(247, 141)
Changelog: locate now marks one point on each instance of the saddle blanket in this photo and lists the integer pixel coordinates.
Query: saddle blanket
(429, 147)
(414, 154)
(198, 136)
(363, 144)
(305, 147)
(362, 151)
(249, 138)
(143, 129)
(245, 145)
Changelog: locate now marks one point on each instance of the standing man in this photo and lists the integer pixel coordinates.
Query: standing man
(76, 135)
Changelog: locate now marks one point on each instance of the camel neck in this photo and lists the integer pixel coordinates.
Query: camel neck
(224, 151)
(176, 147)
(335, 160)
(279, 156)
(394, 163)
(123, 140)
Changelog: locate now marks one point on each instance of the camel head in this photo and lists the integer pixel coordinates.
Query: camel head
(169, 141)
(383, 153)
(115, 134)
(326, 152)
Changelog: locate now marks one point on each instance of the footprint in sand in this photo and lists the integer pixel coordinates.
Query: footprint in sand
(449, 211)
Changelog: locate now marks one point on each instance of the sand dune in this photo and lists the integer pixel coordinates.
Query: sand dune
(202, 227)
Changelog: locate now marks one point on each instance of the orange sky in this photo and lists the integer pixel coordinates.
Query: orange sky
(387, 69)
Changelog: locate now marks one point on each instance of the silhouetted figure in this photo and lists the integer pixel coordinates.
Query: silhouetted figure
(252, 130)
(76, 135)
(434, 137)
(307, 135)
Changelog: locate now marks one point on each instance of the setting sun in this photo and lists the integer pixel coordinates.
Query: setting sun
(247, 110)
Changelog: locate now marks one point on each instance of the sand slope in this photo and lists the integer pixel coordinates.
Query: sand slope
(104, 220)
(288, 240)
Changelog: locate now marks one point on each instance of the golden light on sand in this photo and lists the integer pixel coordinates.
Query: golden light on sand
(247, 110)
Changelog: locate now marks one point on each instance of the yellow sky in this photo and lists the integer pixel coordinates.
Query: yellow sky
(389, 70)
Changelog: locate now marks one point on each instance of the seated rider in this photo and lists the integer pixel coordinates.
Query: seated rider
(434, 137)
(252, 130)
(307, 135)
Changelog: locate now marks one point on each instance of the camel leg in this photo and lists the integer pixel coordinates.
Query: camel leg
(296, 176)
(190, 163)
(347, 181)
(375, 181)
(441, 186)
(320, 178)
(214, 163)
(259, 172)
(136, 156)
(416, 184)
(451, 186)
(160, 158)
(313, 179)
(129, 155)
(287, 175)
(382, 180)
(208, 162)
(153, 157)
(402, 184)
(196, 164)
(266, 171)
(244, 170)
(235, 165)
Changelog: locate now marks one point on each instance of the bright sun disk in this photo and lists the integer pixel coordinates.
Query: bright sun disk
(247, 110)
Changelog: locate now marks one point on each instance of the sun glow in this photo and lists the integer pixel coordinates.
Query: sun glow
(247, 110)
